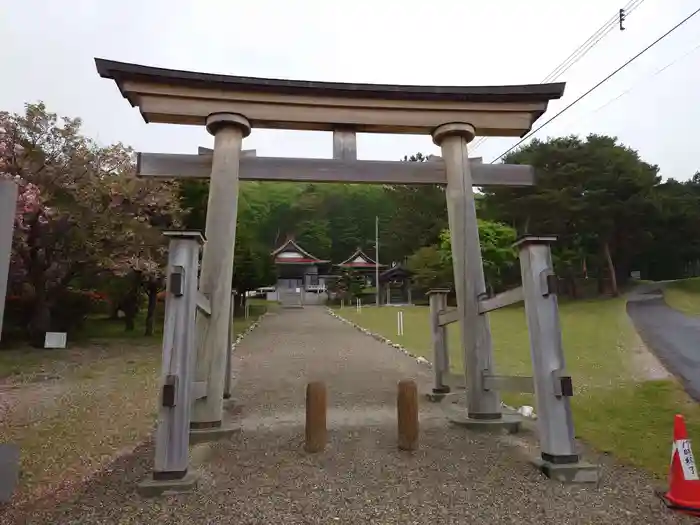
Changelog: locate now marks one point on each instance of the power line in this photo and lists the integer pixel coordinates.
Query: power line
(581, 97)
(655, 73)
(581, 51)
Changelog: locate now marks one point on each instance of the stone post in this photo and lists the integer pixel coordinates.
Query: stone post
(441, 358)
(482, 405)
(217, 265)
(553, 386)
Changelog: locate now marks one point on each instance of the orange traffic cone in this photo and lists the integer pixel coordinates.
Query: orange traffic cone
(684, 485)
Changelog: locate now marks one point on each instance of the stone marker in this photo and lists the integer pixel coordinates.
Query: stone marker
(316, 433)
(407, 408)
(9, 470)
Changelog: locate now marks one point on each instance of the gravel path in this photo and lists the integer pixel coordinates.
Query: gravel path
(672, 335)
(262, 476)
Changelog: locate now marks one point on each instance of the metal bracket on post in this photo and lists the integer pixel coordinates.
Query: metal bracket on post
(549, 282)
(563, 385)
(553, 386)
(169, 392)
(176, 281)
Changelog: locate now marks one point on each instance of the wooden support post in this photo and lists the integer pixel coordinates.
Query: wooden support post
(344, 144)
(217, 265)
(8, 203)
(441, 357)
(482, 405)
(316, 432)
(407, 411)
(553, 386)
(178, 364)
(229, 351)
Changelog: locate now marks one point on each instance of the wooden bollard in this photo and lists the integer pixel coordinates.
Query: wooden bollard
(407, 408)
(316, 433)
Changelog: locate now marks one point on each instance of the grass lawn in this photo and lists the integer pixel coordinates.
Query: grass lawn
(684, 295)
(73, 410)
(615, 409)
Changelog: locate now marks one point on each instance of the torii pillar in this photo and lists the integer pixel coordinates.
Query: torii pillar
(483, 406)
(228, 129)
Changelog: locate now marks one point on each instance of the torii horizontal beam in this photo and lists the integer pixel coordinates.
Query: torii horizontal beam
(330, 170)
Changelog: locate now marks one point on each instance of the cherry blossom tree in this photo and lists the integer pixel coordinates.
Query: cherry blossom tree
(81, 212)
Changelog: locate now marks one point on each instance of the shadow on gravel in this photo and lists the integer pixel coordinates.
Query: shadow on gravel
(101, 497)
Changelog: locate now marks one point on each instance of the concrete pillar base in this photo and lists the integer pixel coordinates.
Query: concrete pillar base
(204, 435)
(151, 488)
(437, 394)
(579, 472)
(509, 422)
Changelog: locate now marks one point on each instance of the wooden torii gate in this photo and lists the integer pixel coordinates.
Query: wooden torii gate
(230, 106)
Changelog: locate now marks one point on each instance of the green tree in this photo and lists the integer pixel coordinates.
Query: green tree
(81, 212)
(430, 269)
(497, 253)
(589, 192)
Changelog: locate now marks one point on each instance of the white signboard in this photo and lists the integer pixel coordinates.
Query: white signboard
(55, 340)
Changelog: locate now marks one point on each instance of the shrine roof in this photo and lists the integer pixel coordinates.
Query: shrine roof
(123, 71)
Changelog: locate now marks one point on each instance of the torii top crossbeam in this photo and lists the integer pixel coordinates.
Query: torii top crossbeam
(185, 97)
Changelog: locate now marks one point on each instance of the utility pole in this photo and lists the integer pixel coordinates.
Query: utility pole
(376, 257)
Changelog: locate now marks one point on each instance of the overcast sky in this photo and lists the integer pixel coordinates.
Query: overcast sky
(49, 46)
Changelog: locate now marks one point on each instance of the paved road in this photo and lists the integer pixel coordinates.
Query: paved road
(262, 476)
(673, 336)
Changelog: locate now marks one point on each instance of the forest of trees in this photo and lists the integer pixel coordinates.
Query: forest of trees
(87, 230)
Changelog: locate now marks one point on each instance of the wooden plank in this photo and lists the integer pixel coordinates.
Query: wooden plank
(179, 109)
(344, 145)
(502, 299)
(522, 384)
(8, 202)
(203, 304)
(166, 165)
(441, 357)
(448, 317)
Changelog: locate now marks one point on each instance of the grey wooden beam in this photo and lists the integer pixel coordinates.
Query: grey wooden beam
(165, 165)
(448, 317)
(501, 300)
(344, 144)
(8, 203)
(522, 384)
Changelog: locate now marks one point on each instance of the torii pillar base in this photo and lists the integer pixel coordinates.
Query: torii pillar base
(458, 415)
(151, 488)
(206, 434)
(578, 472)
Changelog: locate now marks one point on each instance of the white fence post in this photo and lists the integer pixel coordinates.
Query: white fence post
(179, 353)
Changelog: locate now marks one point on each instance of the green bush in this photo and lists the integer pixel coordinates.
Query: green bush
(71, 309)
